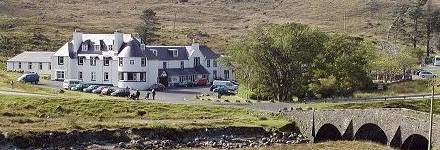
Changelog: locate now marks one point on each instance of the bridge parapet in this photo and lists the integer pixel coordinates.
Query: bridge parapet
(393, 126)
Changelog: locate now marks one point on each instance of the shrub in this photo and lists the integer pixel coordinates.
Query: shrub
(141, 113)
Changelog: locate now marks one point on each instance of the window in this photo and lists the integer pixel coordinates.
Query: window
(143, 76)
(29, 65)
(182, 65)
(110, 47)
(93, 76)
(143, 62)
(154, 51)
(131, 76)
(81, 60)
(175, 52)
(19, 65)
(80, 75)
(50, 66)
(214, 74)
(84, 47)
(107, 61)
(131, 62)
(60, 74)
(93, 61)
(208, 63)
(106, 76)
(60, 60)
(121, 76)
(214, 63)
(196, 61)
(121, 61)
(226, 73)
(164, 65)
(97, 47)
(40, 66)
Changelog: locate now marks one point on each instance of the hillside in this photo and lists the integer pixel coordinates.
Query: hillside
(217, 21)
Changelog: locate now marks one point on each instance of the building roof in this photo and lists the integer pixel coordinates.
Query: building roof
(165, 53)
(131, 49)
(208, 53)
(33, 56)
(183, 72)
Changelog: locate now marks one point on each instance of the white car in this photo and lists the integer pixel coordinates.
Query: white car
(427, 74)
(228, 84)
(69, 83)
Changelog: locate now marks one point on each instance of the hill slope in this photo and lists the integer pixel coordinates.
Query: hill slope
(216, 20)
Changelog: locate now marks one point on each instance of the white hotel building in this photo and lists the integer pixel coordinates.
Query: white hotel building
(123, 60)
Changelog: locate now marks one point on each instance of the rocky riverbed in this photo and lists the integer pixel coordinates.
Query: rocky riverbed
(148, 138)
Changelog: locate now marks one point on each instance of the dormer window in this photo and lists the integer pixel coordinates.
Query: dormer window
(110, 47)
(84, 47)
(97, 47)
(154, 51)
(175, 52)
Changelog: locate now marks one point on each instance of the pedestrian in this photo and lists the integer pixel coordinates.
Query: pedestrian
(154, 93)
(12, 84)
(147, 95)
(137, 94)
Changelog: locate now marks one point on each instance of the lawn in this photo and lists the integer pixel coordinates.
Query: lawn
(402, 88)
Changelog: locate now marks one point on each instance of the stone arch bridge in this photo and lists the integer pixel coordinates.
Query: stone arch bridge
(398, 128)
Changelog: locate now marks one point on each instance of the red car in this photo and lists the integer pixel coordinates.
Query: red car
(201, 82)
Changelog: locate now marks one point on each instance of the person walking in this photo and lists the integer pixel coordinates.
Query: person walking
(154, 93)
(147, 96)
(137, 94)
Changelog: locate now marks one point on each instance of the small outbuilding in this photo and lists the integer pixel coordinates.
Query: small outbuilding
(31, 61)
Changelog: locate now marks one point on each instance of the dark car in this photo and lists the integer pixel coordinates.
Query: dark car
(99, 89)
(79, 87)
(156, 87)
(201, 82)
(107, 91)
(186, 84)
(223, 90)
(90, 88)
(29, 77)
(123, 92)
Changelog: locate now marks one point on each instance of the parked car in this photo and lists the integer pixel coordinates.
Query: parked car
(99, 89)
(201, 82)
(156, 87)
(223, 90)
(427, 74)
(122, 92)
(186, 84)
(29, 77)
(107, 91)
(69, 83)
(228, 85)
(90, 88)
(417, 72)
(79, 87)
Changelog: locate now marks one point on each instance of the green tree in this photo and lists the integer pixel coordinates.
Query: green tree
(149, 27)
(283, 61)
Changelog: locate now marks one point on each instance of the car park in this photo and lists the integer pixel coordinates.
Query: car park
(122, 92)
(427, 74)
(107, 91)
(90, 88)
(79, 87)
(156, 87)
(99, 89)
(69, 83)
(29, 77)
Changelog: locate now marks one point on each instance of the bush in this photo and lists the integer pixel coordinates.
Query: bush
(141, 113)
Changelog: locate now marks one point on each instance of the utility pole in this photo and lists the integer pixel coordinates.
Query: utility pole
(430, 119)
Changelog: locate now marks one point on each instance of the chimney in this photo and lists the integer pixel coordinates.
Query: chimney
(195, 46)
(77, 39)
(119, 39)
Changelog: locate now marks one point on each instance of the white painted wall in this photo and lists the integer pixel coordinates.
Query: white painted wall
(14, 66)
(135, 67)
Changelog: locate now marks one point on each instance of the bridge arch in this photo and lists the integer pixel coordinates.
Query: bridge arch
(414, 142)
(327, 132)
(371, 132)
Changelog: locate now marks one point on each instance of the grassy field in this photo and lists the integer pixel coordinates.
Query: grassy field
(41, 108)
(215, 21)
(402, 88)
